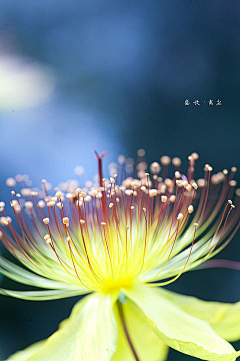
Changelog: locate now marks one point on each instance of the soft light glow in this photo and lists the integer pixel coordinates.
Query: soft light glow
(23, 84)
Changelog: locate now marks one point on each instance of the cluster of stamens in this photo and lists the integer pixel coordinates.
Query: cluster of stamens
(125, 229)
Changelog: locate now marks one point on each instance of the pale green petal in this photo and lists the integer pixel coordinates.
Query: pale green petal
(148, 345)
(41, 295)
(179, 329)
(90, 334)
(223, 317)
(21, 275)
(25, 354)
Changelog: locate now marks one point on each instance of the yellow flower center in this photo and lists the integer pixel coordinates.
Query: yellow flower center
(113, 286)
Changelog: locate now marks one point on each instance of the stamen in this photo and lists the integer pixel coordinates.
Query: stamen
(108, 234)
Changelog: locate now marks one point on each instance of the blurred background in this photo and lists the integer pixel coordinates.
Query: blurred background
(117, 76)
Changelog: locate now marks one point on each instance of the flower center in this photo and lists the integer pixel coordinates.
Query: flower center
(112, 286)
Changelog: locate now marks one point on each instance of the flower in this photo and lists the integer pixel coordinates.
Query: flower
(118, 241)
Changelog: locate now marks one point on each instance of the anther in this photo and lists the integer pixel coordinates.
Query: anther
(87, 198)
(50, 204)
(46, 220)
(189, 187)
(79, 170)
(177, 174)
(29, 205)
(190, 209)
(65, 221)
(141, 152)
(176, 162)
(201, 182)
(19, 178)
(10, 182)
(121, 159)
(165, 160)
(152, 192)
(41, 204)
(194, 185)
(47, 239)
(232, 183)
(128, 192)
(14, 203)
(2, 204)
(172, 198)
(195, 155)
(155, 168)
(164, 199)
(169, 183)
(180, 216)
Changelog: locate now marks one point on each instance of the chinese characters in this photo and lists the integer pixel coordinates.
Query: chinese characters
(197, 102)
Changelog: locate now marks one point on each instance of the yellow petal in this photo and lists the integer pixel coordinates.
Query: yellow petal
(223, 317)
(25, 354)
(41, 295)
(148, 345)
(90, 333)
(179, 329)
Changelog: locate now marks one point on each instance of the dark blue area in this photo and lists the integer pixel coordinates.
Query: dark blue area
(123, 70)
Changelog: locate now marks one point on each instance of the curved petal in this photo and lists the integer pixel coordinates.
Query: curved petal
(19, 274)
(223, 317)
(41, 295)
(29, 351)
(89, 334)
(179, 329)
(146, 342)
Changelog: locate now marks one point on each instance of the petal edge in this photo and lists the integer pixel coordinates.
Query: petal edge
(178, 329)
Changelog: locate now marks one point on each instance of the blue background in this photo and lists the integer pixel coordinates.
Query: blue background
(123, 70)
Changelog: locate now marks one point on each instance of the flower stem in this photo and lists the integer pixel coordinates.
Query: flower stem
(120, 309)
